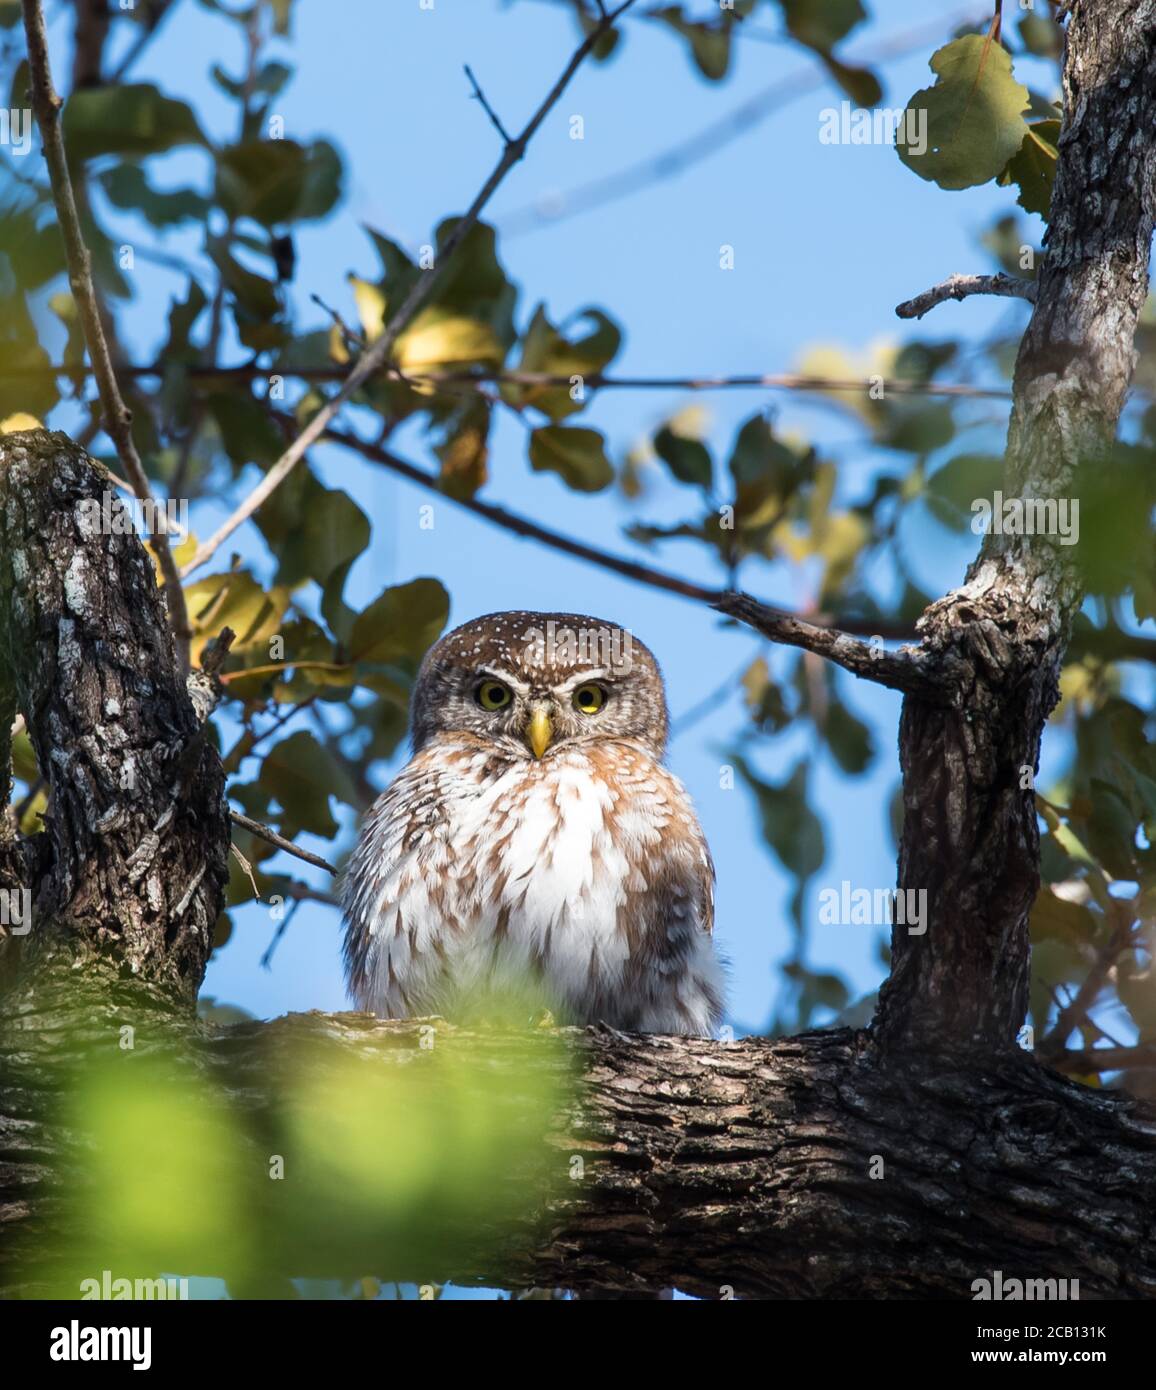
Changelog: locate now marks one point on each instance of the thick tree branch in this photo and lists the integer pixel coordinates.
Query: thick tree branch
(376, 356)
(910, 669)
(519, 525)
(963, 287)
(117, 416)
(809, 1167)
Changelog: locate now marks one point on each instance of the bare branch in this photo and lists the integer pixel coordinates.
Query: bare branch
(523, 526)
(704, 144)
(595, 381)
(480, 96)
(963, 287)
(377, 354)
(270, 836)
(910, 669)
(246, 869)
(117, 416)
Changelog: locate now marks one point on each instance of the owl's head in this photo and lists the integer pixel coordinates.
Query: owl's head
(535, 682)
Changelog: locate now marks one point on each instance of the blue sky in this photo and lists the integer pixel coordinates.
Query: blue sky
(827, 240)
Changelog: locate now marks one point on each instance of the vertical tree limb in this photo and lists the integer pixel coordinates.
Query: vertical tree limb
(137, 835)
(970, 838)
(117, 416)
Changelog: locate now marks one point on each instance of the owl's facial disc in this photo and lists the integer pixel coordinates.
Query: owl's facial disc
(535, 684)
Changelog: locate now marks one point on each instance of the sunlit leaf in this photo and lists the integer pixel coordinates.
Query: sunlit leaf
(973, 113)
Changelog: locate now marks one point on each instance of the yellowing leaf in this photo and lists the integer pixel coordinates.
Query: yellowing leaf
(19, 421)
(237, 601)
(370, 303)
(439, 339)
(830, 360)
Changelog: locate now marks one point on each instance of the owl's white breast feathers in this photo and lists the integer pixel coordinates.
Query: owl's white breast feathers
(585, 872)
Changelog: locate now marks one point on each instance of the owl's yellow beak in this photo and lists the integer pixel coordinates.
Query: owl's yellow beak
(539, 731)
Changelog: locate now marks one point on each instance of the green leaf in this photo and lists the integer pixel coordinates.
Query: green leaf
(303, 775)
(247, 433)
(764, 698)
(475, 283)
(547, 350)
(848, 738)
(464, 450)
(710, 43)
(401, 622)
(790, 827)
(64, 307)
(132, 119)
(577, 455)
(313, 530)
(235, 600)
(974, 120)
(860, 84)
(916, 428)
(256, 305)
(952, 489)
(278, 181)
(1041, 36)
(439, 337)
(1034, 167)
(820, 24)
(127, 186)
(688, 459)
(20, 349)
(182, 316)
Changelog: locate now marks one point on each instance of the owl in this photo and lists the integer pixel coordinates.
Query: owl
(536, 839)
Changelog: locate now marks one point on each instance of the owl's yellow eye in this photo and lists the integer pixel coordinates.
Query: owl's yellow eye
(589, 699)
(493, 695)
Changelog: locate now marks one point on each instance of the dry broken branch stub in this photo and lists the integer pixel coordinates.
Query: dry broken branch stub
(963, 287)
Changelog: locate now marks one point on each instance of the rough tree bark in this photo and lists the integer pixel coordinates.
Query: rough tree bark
(707, 1165)
(970, 837)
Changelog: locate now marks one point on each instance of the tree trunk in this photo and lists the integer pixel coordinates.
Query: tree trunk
(970, 838)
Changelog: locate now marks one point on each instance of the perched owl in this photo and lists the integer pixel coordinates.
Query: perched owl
(535, 836)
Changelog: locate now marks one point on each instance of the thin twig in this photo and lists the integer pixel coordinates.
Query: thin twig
(706, 143)
(246, 868)
(480, 96)
(595, 381)
(117, 417)
(282, 928)
(377, 354)
(270, 836)
(963, 287)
